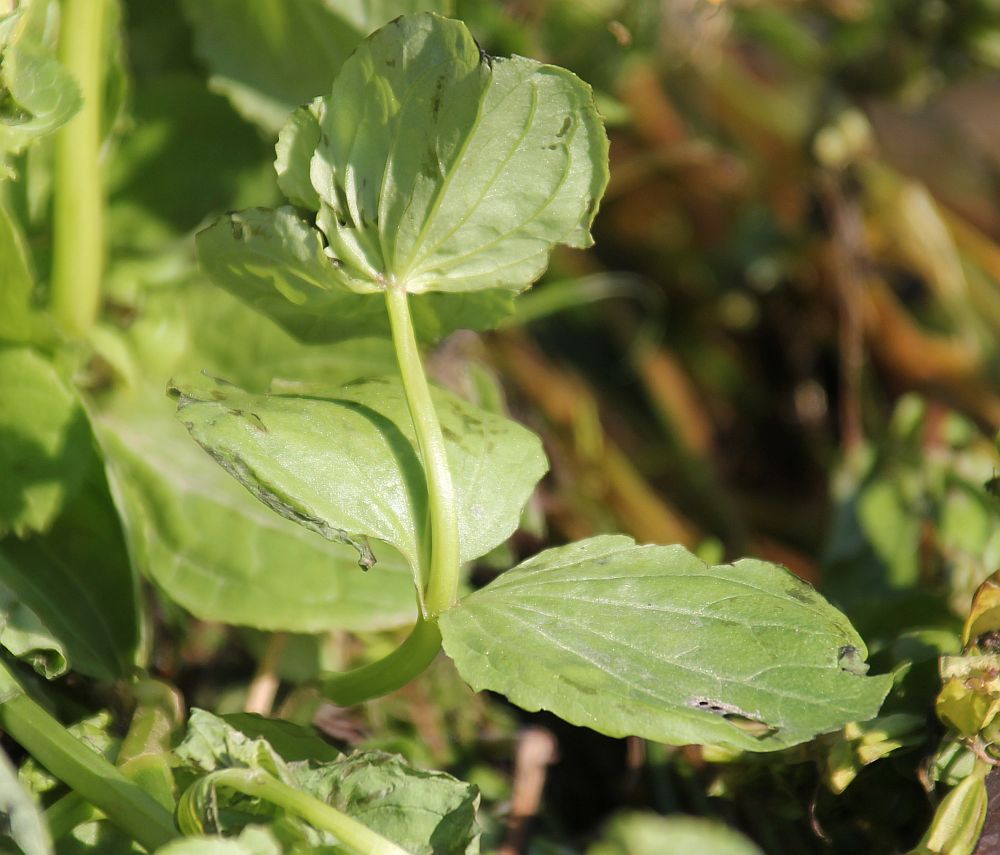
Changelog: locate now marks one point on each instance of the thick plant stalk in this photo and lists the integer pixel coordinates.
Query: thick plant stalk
(78, 205)
(439, 547)
(82, 769)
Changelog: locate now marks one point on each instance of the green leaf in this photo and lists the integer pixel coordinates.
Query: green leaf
(77, 581)
(648, 834)
(218, 553)
(45, 441)
(651, 641)
(22, 820)
(290, 741)
(429, 165)
(254, 840)
(344, 462)
(188, 156)
(25, 636)
(888, 497)
(424, 812)
(246, 739)
(297, 141)
(19, 322)
(275, 262)
(195, 327)
(446, 170)
(40, 94)
(212, 743)
(270, 56)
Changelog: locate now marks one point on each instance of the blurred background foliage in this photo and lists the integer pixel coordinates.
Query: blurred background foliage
(784, 344)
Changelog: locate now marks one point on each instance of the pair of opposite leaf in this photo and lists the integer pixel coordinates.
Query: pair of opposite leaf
(429, 168)
(433, 169)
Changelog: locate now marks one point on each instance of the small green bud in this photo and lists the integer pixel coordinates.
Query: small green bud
(959, 819)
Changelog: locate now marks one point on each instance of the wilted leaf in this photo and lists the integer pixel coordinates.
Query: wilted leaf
(651, 641)
(424, 812)
(211, 743)
(290, 741)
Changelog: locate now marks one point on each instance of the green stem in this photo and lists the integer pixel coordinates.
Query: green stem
(144, 756)
(67, 813)
(441, 591)
(261, 785)
(389, 673)
(78, 204)
(82, 769)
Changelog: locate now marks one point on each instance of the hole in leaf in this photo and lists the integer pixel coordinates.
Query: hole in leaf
(735, 716)
(849, 659)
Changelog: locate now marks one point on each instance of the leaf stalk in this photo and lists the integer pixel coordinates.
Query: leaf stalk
(81, 768)
(389, 673)
(259, 784)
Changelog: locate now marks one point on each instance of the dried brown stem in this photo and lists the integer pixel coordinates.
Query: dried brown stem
(264, 686)
(536, 751)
